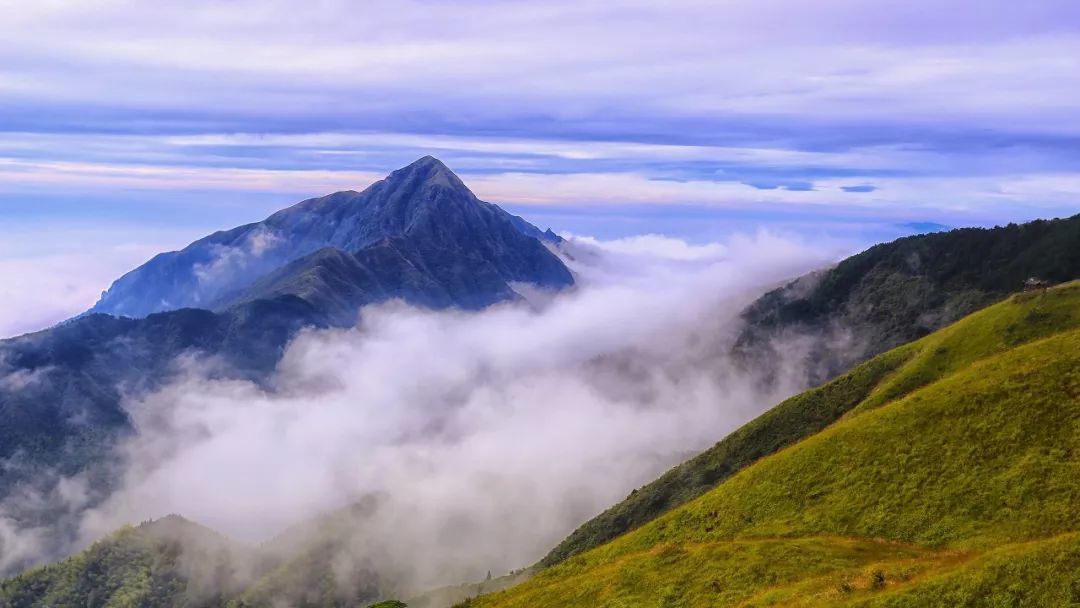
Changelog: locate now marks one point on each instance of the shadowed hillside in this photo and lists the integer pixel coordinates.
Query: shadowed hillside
(897, 292)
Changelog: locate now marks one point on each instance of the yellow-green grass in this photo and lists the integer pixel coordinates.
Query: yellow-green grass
(1016, 321)
(959, 459)
(1036, 573)
(1021, 319)
(708, 573)
(1040, 573)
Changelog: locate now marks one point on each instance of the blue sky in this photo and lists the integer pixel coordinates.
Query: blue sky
(142, 125)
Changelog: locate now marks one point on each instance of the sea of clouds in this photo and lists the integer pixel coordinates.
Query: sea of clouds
(486, 436)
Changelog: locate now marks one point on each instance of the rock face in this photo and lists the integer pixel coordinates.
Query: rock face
(419, 232)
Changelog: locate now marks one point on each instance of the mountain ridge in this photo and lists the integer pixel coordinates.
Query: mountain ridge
(896, 292)
(424, 204)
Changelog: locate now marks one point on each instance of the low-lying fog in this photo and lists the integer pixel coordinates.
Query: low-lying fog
(487, 436)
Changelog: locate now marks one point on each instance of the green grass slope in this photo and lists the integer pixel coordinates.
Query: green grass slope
(959, 472)
(1021, 319)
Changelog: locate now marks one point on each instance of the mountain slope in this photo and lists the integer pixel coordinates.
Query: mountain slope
(972, 463)
(897, 292)
(1022, 319)
(174, 562)
(62, 389)
(327, 562)
(167, 562)
(339, 283)
(419, 236)
(424, 205)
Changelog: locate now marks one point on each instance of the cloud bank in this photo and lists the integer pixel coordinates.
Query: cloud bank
(488, 436)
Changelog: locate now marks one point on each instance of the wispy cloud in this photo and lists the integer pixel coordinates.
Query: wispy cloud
(967, 105)
(53, 272)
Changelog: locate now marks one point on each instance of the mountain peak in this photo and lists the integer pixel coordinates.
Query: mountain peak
(428, 170)
(424, 203)
(427, 161)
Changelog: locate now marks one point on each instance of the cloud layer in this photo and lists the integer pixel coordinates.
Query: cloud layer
(488, 435)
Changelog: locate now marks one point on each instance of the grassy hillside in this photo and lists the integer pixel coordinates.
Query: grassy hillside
(954, 481)
(1021, 319)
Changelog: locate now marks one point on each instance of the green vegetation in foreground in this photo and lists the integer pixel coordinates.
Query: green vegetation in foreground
(701, 574)
(783, 425)
(1039, 573)
(958, 478)
(1021, 319)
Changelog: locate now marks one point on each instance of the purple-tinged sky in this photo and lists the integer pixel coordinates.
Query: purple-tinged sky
(138, 126)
